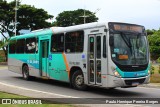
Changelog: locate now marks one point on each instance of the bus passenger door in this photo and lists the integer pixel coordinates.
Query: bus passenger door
(44, 58)
(94, 61)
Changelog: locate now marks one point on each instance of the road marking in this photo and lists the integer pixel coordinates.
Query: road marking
(60, 95)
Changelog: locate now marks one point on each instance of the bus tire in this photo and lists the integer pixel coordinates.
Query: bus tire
(25, 72)
(78, 81)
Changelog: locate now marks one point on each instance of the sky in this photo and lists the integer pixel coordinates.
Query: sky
(143, 12)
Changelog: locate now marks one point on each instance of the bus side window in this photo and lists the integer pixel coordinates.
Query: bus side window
(74, 42)
(36, 45)
(30, 45)
(20, 46)
(57, 43)
(104, 47)
(12, 46)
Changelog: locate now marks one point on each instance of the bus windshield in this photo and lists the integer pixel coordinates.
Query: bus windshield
(129, 49)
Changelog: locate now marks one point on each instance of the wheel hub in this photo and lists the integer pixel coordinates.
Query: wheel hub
(79, 80)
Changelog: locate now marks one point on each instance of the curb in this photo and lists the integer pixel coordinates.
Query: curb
(151, 85)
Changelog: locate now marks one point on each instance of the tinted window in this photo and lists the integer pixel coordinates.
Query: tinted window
(74, 41)
(36, 45)
(104, 47)
(98, 46)
(12, 46)
(20, 46)
(57, 43)
(45, 49)
(31, 45)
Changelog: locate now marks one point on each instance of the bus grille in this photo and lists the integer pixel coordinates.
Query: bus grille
(125, 69)
(129, 82)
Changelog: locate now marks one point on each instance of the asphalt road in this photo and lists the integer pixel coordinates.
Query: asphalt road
(64, 90)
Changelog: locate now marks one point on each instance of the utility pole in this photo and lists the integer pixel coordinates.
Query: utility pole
(16, 17)
(85, 16)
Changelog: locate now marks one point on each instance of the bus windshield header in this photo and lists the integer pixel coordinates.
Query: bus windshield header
(126, 27)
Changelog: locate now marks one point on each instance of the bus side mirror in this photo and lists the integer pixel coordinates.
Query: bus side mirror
(111, 41)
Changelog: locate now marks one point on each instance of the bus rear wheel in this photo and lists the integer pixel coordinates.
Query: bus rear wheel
(25, 72)
(78, 81)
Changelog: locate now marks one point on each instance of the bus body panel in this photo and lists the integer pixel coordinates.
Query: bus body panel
(15, 63)
(57, 67)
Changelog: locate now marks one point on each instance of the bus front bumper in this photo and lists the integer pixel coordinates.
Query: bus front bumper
(131, 82)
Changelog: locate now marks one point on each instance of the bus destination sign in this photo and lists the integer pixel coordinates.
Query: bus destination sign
(126, 27)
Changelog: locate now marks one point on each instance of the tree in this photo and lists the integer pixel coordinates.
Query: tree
(154, 43)
(69, 18)
(150, 32)
(28, 17)
(32, 18)
(6, 17)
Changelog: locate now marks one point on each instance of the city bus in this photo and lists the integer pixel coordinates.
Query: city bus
(107, 55)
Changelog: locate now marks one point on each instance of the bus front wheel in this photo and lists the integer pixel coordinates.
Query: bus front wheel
(78, 81)
(25, 72)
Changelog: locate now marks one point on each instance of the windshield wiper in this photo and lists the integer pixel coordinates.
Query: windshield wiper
(137, 44)
(128, 42)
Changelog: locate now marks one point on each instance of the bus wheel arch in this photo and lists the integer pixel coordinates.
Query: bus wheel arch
(25, 71)
(77, 78)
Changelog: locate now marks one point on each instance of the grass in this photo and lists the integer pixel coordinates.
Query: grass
(2, 59)
(8, 95)
(155, 78)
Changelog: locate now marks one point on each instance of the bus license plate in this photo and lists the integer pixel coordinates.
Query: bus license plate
(135, 84)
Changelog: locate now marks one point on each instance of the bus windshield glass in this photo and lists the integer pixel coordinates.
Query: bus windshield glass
(129, 49)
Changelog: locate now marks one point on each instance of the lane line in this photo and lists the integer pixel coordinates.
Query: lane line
(27, 89)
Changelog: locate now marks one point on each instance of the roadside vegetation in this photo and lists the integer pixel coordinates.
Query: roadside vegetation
(155, 74)
(2, 56)
(8, 95)
(2, 59)
(154, 44)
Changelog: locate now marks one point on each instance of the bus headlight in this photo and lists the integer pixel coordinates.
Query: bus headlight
(117, 74)
(149, 72)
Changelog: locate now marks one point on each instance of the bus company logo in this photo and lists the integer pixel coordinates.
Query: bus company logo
(139, 74)
(136, 74)
(6, 101)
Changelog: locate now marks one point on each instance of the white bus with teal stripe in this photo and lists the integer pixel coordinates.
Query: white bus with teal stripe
(106, 55)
